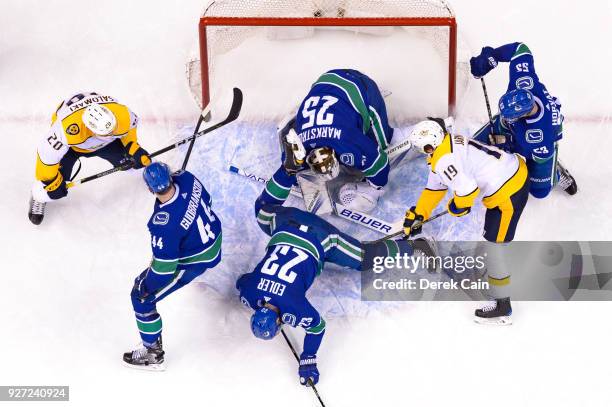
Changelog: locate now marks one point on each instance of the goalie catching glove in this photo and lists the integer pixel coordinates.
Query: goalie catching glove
(360, 196)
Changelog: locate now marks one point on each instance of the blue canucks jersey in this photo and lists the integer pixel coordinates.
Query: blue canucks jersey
(345, 111)
(292, 261)
(184, 230)
(534, 138)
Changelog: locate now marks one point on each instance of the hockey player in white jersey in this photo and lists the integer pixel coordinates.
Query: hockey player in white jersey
(87, 124)
(471, 169)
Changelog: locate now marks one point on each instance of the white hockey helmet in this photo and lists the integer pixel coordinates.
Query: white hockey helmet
(99, 119)
(425, 134)
(323, 161)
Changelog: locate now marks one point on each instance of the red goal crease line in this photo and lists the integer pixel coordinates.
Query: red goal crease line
(449, 22)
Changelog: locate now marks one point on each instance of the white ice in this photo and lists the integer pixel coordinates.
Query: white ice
(66, 314)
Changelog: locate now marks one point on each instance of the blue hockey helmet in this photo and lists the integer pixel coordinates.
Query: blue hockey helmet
(157, 177)
(265, 323)
(516, 104)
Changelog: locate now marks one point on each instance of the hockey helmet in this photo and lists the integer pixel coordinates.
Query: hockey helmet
(426, 134)
(157, 177)
(323, 161)
(516, 104)
(265, 323)
(99, 119)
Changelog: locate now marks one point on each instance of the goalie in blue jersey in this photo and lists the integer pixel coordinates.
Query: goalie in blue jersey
(341, 121)
(530, 122)
(300, 245)
(185, 240)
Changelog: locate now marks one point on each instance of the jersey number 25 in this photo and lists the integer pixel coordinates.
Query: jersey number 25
(318, 115)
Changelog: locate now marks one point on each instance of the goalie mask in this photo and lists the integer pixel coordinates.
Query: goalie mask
(323, 162)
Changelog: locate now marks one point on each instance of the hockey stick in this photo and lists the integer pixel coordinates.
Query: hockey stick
(233, 115)
(202, 117)
(310, 383)
(343, 212)
(494, 139)
(486, 96)
(391, 236)
(397, 152)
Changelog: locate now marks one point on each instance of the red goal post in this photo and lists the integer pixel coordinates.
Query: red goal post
(210, 21)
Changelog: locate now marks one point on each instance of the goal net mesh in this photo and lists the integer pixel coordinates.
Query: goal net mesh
(408, 60)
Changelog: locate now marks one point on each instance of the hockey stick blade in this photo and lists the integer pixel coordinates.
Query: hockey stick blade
(232, 115)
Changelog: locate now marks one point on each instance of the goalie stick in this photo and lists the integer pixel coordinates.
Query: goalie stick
(232, 115)
(343, 212)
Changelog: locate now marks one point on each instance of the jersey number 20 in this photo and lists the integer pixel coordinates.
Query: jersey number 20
(271, 266)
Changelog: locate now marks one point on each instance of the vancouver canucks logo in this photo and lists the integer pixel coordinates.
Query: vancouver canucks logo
(289, 319)
(73, 129)
(534, 136)
(161, 218)
(524, 82)
(347, 159)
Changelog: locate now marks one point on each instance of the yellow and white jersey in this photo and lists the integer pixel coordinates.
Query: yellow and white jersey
(470, 168)
(68, 131)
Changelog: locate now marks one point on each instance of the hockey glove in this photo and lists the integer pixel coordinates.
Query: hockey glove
(139, 155)
(483, 63)
(455, 211)
(412, 223)
(56, 188)
(308, 369)
(498, 140)
(294, 153)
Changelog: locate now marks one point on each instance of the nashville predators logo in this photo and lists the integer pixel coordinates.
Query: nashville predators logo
(73, 129)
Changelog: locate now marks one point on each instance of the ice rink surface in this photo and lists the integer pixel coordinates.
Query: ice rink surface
(66, 313)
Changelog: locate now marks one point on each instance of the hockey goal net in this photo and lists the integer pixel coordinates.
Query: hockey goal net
(274, 50)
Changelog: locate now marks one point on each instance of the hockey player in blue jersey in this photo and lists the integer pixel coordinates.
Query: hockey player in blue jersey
(530, 122)
(342, 120)
(300, 244)
(185, 240)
